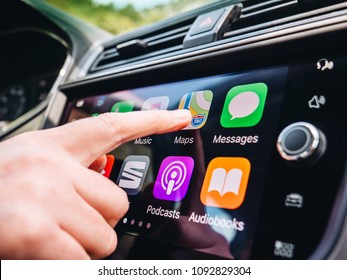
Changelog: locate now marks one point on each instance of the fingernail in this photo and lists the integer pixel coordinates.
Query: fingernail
(182, 114)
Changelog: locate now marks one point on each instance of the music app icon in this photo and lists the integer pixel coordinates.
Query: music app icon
(156, 103)
(173, 178)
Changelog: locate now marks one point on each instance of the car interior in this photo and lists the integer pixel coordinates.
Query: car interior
(259, 173)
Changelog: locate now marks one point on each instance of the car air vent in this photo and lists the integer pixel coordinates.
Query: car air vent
(160, 42)
(259, 14)
(252, 8)
(257, 17)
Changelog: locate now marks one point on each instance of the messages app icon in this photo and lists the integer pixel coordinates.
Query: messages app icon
(244, 105)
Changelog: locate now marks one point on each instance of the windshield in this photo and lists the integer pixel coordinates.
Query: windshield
(118, 16)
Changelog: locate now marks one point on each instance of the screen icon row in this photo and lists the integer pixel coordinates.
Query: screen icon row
(243, 106)
(224, 186)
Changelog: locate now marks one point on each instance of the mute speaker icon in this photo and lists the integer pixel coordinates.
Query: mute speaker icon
(316, 102)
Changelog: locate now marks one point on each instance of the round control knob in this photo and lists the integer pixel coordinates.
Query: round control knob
(301, 142)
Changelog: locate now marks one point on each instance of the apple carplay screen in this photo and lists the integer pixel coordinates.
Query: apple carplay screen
(199, 188)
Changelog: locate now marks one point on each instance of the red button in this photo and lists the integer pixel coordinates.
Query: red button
(109, 165)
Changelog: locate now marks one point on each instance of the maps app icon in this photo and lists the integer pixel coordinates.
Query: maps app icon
(198, 120)
(198, 103)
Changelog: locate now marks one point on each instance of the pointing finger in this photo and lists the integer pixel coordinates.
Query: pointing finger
(90, 138)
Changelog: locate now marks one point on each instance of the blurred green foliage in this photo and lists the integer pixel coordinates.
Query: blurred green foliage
(119, 20)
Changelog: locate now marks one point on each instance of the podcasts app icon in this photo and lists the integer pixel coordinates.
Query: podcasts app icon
(173, 178)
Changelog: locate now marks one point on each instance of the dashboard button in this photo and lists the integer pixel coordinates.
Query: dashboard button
(284, 249)
(301, 142)
(206, 22)
(294, 200)
(210, 27)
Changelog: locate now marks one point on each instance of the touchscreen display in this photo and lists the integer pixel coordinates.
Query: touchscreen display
(199, 188)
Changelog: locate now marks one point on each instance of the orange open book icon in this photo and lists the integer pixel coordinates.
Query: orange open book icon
(225, 182)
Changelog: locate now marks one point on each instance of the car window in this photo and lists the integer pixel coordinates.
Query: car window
(118, 16)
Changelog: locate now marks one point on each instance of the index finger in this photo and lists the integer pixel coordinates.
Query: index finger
(90, 138)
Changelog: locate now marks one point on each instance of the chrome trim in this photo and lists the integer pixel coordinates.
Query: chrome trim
(279, 5)
(311, 145)
(51, 110)
(86, 62)
(44, 104)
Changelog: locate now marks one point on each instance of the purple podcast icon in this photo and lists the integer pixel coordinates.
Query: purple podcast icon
(173, 178)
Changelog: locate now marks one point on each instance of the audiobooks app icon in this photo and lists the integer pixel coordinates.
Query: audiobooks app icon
(225, 182)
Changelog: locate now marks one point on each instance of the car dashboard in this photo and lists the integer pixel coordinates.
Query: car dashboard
(259, 173)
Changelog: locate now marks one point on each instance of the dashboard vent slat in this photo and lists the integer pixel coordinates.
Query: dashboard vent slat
(157, 43)
(266, 6)
(258, 15)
